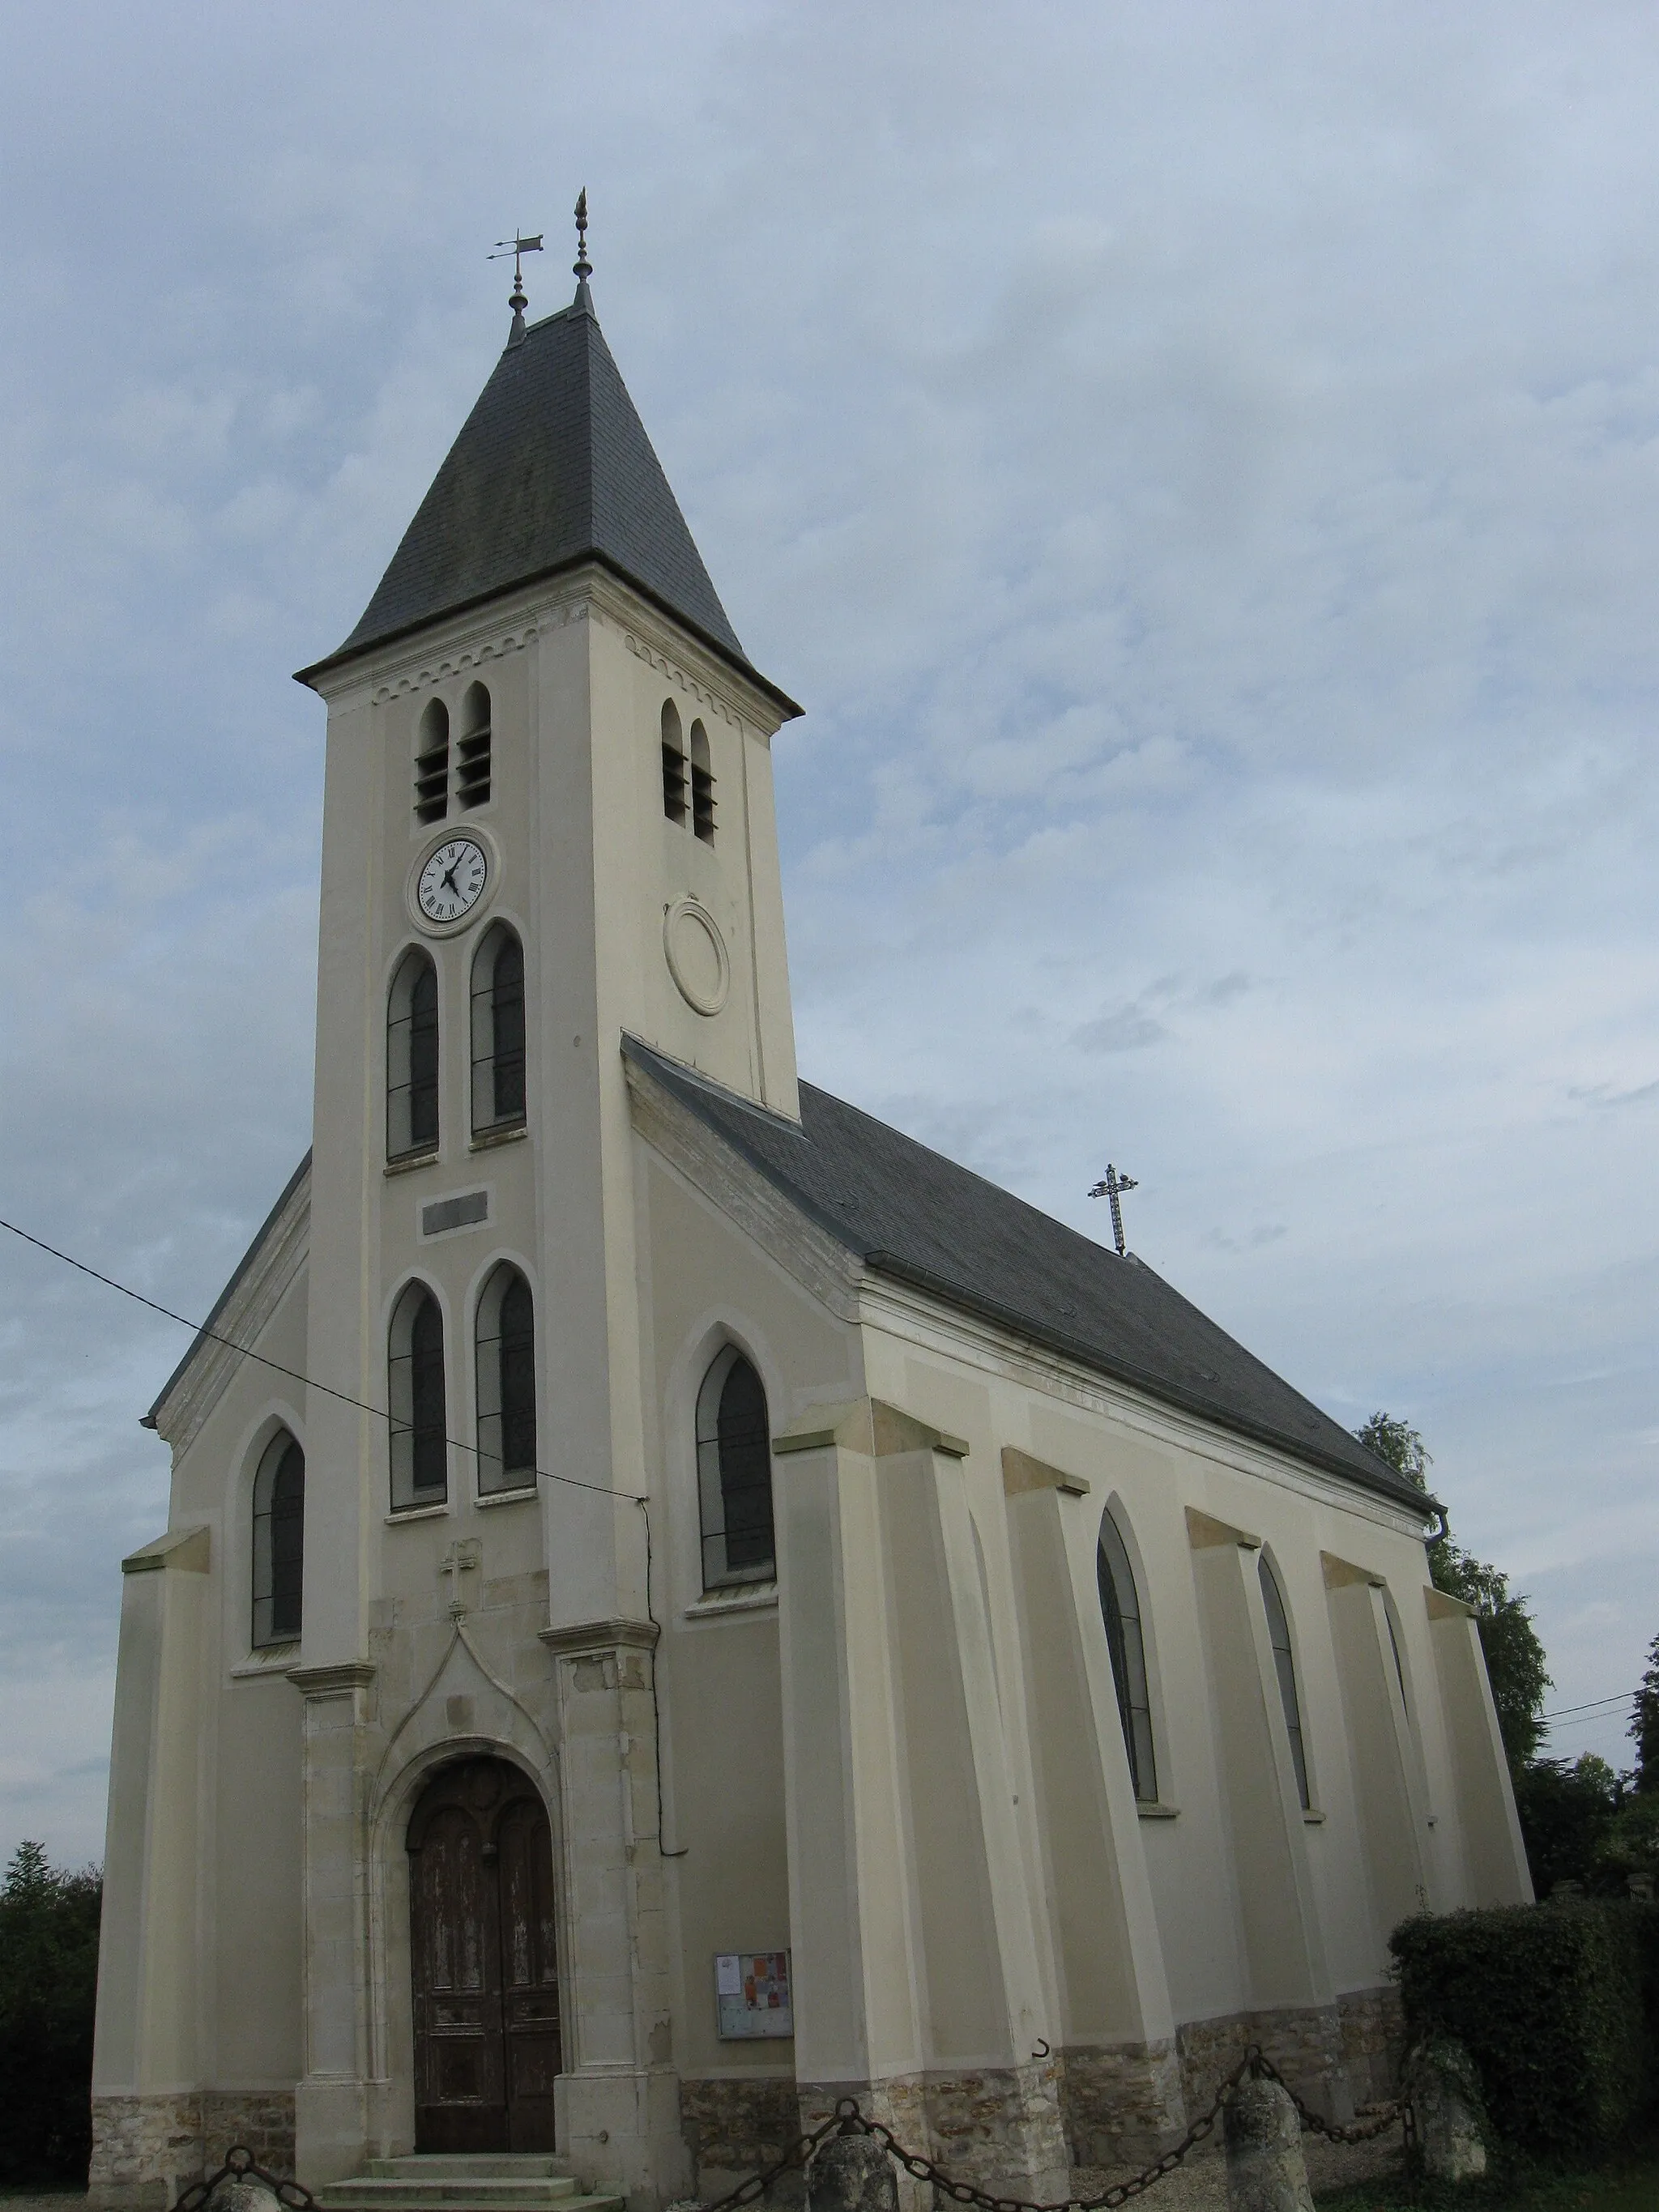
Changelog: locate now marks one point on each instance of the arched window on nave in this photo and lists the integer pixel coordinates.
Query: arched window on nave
(734, 1474)
(1278, 1635)
(1120, 1605)
(279, 1531)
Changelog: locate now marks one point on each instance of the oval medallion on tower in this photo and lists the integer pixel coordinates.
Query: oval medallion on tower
(696, 956)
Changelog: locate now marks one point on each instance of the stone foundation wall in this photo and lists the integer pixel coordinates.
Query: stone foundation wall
(1373, 2041)
(262, 2120)
(733, 2129)
(1122, 2103)
(145, 2150)
(1305, 2042)
(999, 2128)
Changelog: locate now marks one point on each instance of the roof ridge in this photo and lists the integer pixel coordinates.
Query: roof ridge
(912, 1213)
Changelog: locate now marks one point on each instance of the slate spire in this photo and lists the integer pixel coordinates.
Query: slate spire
(552, 469)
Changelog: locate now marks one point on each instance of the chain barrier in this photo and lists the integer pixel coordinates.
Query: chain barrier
(1363, 2131)
(848, 2120)
(240, 2166)
(751, 2191)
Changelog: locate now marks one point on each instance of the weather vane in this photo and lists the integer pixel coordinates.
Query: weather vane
(518, 247)
(1113, 1188)
(581, 267)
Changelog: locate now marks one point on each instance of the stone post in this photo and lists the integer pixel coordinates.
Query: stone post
(1265, 2168)
(1445, 2093)
(851, 2173)
(242, 2194)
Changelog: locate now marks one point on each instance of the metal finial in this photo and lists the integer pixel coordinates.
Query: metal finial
(581, 266)
(1112, 1187)
(518, 247)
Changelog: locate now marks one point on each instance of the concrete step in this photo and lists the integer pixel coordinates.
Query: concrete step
(470, 2165)
(529, 2194)
(456, 2195)
(463, 2185)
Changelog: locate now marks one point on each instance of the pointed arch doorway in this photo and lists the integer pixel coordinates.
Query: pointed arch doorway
(484, 1961)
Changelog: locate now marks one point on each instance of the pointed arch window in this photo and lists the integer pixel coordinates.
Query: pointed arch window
(411, 1057)
(1120, 1605)
(702, 785)
(673, 763)
(507, 1384)
(1278, 1635)
(734, 1474)
(498, 1034)
(472, 771)
(432, 763)
(279, 1528)
(419, 1407)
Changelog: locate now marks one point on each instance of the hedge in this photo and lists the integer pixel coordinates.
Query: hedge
(1558, 2005)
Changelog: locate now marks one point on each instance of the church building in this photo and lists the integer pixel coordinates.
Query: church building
(679, 1603)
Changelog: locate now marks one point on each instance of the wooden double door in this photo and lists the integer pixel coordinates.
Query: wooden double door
(485, 1961)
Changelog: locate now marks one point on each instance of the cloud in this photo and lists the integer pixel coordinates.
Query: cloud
(1203, 482)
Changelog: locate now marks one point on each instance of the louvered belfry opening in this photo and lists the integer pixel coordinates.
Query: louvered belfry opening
(432, 763)
(673, 764)
(473, 774)
(702, 785)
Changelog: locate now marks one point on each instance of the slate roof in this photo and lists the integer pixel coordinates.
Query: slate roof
(552, 468)
(912, 1214)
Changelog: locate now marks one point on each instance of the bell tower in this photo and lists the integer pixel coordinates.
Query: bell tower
(548, 825)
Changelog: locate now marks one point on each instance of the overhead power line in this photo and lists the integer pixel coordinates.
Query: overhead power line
(294, 1375)
(1595, 1705)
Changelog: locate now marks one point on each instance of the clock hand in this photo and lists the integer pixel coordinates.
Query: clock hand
(449, 877)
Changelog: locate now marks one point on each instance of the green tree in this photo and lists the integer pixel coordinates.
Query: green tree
(1644, 1725)
(1568, 1811)
(1514, 1657)
(48, 1985)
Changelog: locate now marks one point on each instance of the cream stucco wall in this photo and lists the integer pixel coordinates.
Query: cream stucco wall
(902, 1761)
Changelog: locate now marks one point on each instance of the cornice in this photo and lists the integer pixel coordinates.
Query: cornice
(333, 1682)
(899, 1309)
(451, 647)
(460, 640)
(579, 1637)
(266, 1278)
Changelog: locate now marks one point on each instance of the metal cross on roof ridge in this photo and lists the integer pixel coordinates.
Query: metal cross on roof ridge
(1112, 1187)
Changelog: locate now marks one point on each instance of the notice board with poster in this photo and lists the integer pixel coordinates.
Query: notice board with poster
(752, 1994)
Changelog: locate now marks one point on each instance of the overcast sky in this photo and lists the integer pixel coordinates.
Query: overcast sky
(1197, 464)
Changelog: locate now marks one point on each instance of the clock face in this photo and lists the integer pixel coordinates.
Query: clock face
(452, 882)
